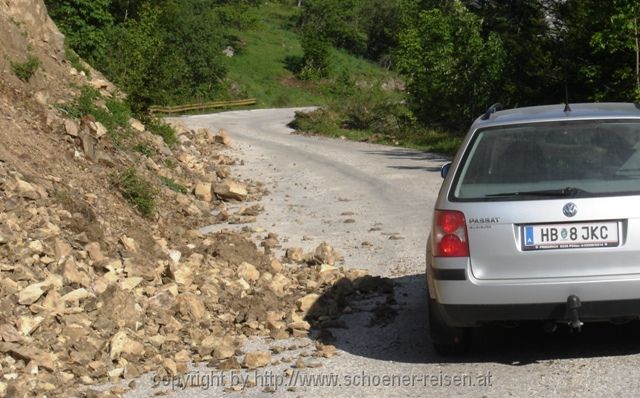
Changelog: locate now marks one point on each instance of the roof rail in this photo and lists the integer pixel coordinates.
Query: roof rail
(492, 109)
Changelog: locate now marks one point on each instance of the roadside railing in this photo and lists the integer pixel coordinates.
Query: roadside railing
(202, 106)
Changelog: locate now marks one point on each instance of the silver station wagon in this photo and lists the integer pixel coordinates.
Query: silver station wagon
(538, 218)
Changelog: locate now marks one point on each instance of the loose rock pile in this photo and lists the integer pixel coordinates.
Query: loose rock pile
(80, 308)
(90, 290)
(74, 313)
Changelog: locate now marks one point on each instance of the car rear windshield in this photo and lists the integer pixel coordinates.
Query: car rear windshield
(542, 160)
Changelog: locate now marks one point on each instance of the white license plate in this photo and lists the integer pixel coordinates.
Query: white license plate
(570, 236)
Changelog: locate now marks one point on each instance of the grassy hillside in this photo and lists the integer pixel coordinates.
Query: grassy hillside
(361, 101)
(262, 65)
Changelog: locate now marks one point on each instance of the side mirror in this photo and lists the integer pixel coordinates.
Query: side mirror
(445, 170)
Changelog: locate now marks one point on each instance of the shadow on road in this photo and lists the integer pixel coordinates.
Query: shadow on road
(409, 154)
(425, 168)
(405, 338)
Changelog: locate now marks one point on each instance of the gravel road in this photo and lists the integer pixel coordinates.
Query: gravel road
(349, 193)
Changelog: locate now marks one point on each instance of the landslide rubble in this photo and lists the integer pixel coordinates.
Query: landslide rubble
(95, 289)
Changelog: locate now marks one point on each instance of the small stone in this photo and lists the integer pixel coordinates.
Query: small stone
(182, 273)
(129, 244)
(299, 325)
(203, 191)
(223, 138)
(248, 272)
(170, 366)
(31, 293)
(279, 284)
(136, 125)
(257, 359)
(98, 129)
(26, 190)
(243, 284)
(28, 325)
(276, 266)
(295, 254)
(306, 302)
(193, 306)
(230, 189)
(130, 283)
(175, 256)
(95, 253)
(229, 364)
(122, 344)
(223, 351)
(115, 373)
(327, 350)
(76, 295)
(9, 333)
(71, 127)
(324, 268)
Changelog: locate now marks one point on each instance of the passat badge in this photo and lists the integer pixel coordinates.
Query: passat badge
(570, 209)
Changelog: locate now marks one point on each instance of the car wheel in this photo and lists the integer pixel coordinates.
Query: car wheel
(446, 340)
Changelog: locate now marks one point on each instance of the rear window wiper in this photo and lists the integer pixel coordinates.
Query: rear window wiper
(563, 192)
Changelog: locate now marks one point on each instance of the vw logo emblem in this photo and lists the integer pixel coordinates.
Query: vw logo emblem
(570, 209)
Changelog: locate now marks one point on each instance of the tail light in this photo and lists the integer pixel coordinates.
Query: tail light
(450, 234)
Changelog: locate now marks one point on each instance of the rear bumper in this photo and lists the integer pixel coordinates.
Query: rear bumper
(471, 315)
(467, 301)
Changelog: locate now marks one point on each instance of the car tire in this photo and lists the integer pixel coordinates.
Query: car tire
(447, 340)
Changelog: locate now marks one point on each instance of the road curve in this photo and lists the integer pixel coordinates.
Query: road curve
(349, 193)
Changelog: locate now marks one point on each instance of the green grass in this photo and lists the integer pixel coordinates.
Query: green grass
(144, 149)
(356, 107)
(158, 127)
(137, 191)
(115, 117)
(25, 70)
(262, 66)
(172, 185)
(329, 123)
(75, 61)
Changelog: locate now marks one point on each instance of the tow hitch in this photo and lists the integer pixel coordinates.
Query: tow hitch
(573, 303)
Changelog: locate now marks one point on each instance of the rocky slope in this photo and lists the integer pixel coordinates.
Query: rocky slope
(92, 290)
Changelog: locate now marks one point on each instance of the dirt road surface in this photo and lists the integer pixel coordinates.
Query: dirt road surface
(374, 203)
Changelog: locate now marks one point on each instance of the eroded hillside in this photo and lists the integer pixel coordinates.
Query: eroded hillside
(104, 274)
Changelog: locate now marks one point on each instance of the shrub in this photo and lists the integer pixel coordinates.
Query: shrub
(137, 191)
(158, 127)
(144, 149)
(316, 61)
(172, 185)
(75, 61)
(115, 117)
(453, 68)
(26, 70)
(376, 110)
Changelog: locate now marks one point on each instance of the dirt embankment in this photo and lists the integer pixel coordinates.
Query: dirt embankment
(93, 291)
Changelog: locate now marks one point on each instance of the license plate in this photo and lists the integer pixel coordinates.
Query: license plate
(570, 236)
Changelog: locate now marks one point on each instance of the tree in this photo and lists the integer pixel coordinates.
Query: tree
(84, 23)
(168, 54)
(339, 22)
(316, 61)
(134, 48)
(453, 72)
(599, 64)
(532, 74)
(620, 34)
